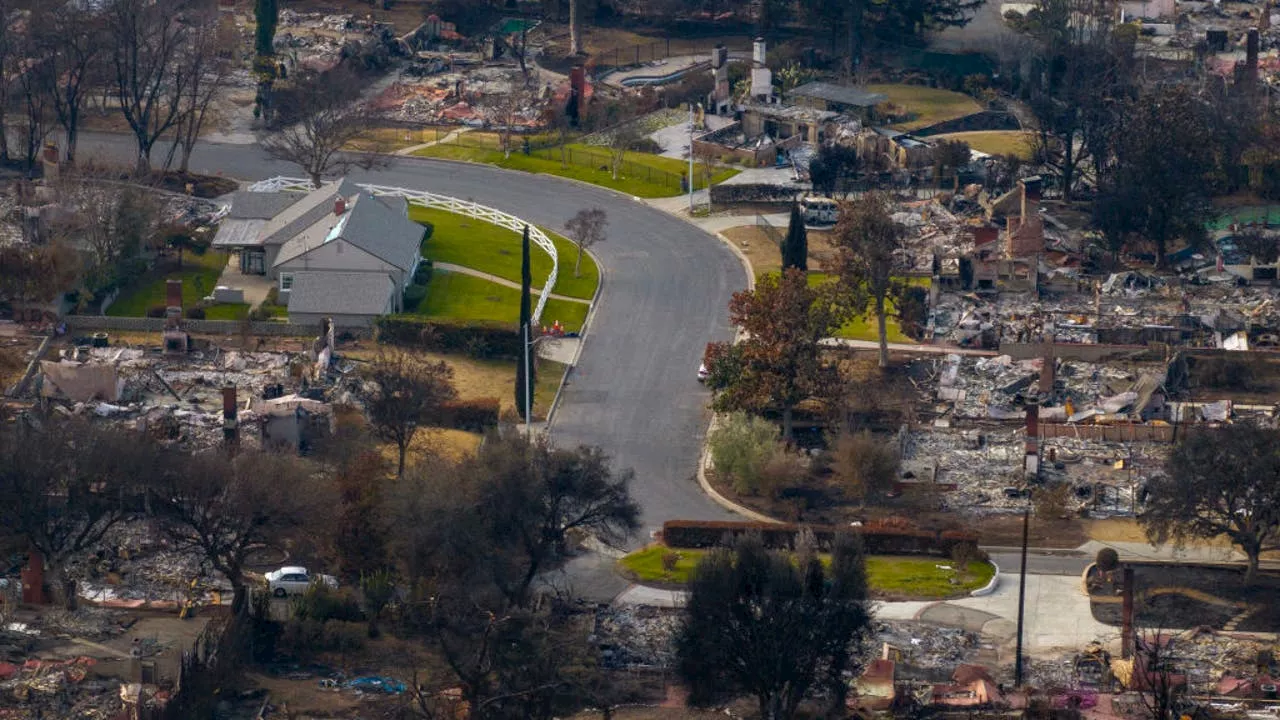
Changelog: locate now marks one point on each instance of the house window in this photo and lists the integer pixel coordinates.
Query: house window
(286, 282)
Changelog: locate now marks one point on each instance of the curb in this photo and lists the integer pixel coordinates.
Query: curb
(582, 340)
(991, 586)
(742, 257)
(724, 502)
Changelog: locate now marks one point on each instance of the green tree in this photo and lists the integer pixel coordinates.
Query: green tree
(741, 448)
(758, 622)
(267, 15)
(795, 248)
(526, 371)
(1220, 482)
(867, 239)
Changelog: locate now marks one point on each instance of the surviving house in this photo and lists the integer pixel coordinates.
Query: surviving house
(335, 252)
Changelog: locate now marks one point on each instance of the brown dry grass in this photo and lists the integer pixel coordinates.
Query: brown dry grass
(765, 257)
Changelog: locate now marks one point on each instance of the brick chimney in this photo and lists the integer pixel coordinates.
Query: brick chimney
(1030, 190)
(1031, 461)
(173, 293)
(1047, 368)
(984, 234)
(33, 579)
(578, 82)
(339, 205)
(230, 423)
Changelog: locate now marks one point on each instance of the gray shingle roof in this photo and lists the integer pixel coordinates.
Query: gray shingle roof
(260, 205)
(379, 226)
(238, 232)
(838, 93)
(341, 293)
(305, 212)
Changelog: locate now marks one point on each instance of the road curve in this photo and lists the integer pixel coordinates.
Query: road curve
(666, 293)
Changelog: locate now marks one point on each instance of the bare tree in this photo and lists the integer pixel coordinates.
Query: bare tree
(207, 75)
(622, 140)
(64, 484)
(585, 229)
(225, 506)
(327, 120)
(147, 41)
(71, 39)
(505, 110)
(402, 393)
(8, 64)
(36, 100)
(867, 239)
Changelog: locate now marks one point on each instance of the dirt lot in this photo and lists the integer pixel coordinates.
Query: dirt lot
(765, 256)
(1182, 596)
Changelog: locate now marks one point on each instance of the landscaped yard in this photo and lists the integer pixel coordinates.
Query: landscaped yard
(467, 298)
(864, 327)
(495, 250)
(227, 311)
(928, 106)
(637, 180)
(199, 275)
(995, 142)
(895, 575)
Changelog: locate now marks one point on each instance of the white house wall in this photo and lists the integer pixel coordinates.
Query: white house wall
(350, 259)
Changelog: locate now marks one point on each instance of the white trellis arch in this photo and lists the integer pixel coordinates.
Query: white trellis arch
(450, 204)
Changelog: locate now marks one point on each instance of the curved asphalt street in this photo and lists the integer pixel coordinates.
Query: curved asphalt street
(666, 292)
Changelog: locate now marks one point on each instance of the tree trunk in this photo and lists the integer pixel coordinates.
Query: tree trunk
(315, 179)
(239, 593)
(1251, 570)
(62, 588)
(143, 167)
(403, 447)
(575, 28)
(577, 266)
(884, 340)
(73, 135)
(786, 423)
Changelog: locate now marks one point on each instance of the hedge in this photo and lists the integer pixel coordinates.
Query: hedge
(878, 537)
(471, 415)
(477, 338)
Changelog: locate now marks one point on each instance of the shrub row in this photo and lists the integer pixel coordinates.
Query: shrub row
(475, 415)
(889, 538)
(479, 339)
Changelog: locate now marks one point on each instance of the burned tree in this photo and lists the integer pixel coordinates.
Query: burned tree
(64, 484)
(1220, 482)
(72, 41)
(403, 393)
(225, 506)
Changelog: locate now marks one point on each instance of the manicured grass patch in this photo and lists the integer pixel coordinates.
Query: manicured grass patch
(994, 142)
(928, 106)
(898, 575)
(495, 250)
(638, 181)
(199, 275)
(468, 298)
(865, 327)
(227, 311)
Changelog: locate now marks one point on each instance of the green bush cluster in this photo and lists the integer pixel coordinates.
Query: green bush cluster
(742, 448)
(483, 340)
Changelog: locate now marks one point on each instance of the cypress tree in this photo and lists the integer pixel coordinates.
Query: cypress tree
(526, 364)
(267, 14)
(795, 249)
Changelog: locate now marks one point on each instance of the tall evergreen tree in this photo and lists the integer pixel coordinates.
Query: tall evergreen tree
(267, 14)
(795, 249)
(526, 328)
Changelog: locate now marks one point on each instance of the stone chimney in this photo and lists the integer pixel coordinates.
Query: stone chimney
(1030, 191)
(1031, 462)
(339, 205)
(759, 52)
(719, 56)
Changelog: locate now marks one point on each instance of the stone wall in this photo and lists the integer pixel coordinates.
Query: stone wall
(209, 327)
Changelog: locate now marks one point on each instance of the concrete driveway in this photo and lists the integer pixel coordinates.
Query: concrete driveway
(666, 291)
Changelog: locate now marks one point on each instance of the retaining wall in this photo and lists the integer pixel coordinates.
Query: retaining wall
(209, 327)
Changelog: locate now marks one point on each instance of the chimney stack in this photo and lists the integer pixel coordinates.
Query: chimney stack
(1126, 621)
(230, 423)
(173, 293)
(758, 54)
(1251, 55)
(339, 205)
(1030, 190)
(1047, 369)
(719, 56)
(1031, 463)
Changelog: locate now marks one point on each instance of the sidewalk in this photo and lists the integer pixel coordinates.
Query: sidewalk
(447, 138)
(1057, 614)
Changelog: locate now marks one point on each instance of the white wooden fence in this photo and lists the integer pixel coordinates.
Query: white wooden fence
(449, 204)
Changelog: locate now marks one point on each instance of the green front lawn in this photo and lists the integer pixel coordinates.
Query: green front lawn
(495, 250)
(636, 181)
(864, 327)
(927, 106)
(227, 311)
(199, 275)
(469, 298)
(896, 575)
(995, 142)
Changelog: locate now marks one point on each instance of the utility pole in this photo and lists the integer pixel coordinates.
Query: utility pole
(528, 389)
(1022, 597)
(691, 158)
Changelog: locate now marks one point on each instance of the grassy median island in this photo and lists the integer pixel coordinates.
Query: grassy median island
(495, 250)
(888, 575)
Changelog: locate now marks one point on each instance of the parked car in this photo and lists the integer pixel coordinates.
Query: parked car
(703, 373)
(293, 580)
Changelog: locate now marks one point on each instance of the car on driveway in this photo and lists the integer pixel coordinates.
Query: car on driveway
(294, 580)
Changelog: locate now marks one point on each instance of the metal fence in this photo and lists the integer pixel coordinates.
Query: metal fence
(448, 204)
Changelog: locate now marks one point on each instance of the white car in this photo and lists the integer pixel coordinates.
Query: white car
(293, 580)
(703, 373)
